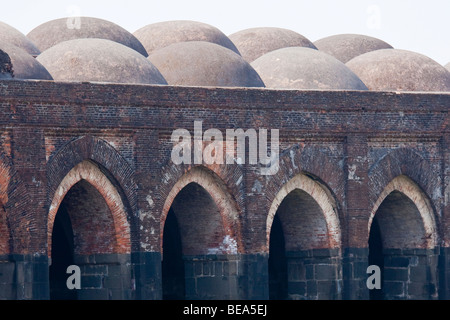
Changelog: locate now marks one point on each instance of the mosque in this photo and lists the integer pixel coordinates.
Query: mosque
(87, 177)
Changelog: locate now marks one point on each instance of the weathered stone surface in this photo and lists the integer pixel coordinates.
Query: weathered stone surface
(254, 42)
(13, 36)
(55, 31)
(200, 63)
(345, 47)
(24, 65)
(400, 70)
(447, 66)
(162, 34)
(305, 68)
(98, 60)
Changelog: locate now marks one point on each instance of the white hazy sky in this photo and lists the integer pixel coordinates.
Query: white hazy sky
(421, 26)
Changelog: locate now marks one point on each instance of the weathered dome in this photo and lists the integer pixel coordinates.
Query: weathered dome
(345, 47)
(98, 60)
(400, 70)
(200, 63)
(447, 66)
(254, 42)
(53, 32)
(305, 68)
(24, 65)
(13, 36)
(162, 34)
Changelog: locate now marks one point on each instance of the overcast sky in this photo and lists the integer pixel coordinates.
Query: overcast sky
(421, 26)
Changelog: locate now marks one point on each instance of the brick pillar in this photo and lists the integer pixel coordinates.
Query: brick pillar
(30, 257)
(146, 275)
(355, 260)
(254, 278)
(147, 262)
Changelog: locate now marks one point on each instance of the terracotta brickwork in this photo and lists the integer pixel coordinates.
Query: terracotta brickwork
(346, 158)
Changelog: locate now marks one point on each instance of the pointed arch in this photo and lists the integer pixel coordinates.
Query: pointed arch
(406, 162)
(407, 187)
(208, 181)
(90, 172)
(322, 198)
(118, 170)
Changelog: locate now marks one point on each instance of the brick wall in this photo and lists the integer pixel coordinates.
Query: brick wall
(350, 145)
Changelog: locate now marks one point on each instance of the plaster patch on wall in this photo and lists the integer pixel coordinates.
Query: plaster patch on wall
(257, 186)
(351, 173)
(150, 201)
(228, 246)
(292, 156)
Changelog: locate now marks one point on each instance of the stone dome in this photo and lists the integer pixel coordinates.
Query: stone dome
(254, 42)
(200, 63)
(53, 32)
(345, 47)
(24, 65)
(305, 68)
(98, 60)
(13, 36)
(400, 70)
(447, 66)
(162, 34)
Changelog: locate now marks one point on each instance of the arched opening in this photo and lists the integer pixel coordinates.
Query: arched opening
(98, 215)
(62, 256)
(88, 227)
(399, 243)
(172, 261)
(376, 257)
(203, 248)
(83, 226)
(307, 267)
(278, 280)
(199, 220)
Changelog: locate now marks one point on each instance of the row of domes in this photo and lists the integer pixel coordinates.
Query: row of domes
(197, 54)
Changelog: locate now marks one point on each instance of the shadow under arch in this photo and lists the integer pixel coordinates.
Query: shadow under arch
(403, 241)
(304, 219)
(88, 175)
(89, 172)
(226, 205)
(87, 225)
(200, 238)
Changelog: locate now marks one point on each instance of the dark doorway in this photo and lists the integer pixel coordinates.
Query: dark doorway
(62, 256)
(376, 257)
(172, 263)
(278, 279)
